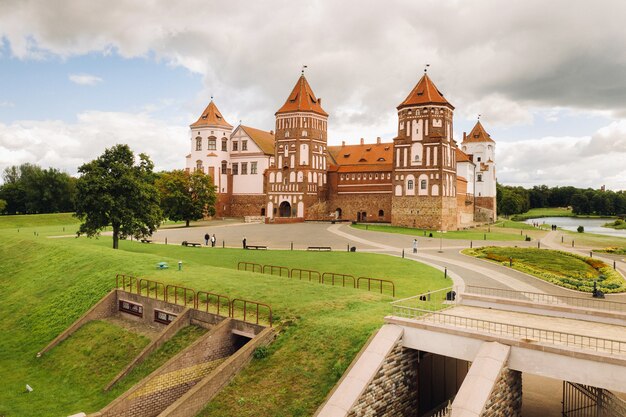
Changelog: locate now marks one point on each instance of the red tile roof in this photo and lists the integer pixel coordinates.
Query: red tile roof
(425, 92)
(478, 134)
(462, 156)
(369, 156)
(302, 99)
(264, 140)
(211, 117)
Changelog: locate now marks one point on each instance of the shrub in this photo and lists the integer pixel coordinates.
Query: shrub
(580, 229)
(261, 352)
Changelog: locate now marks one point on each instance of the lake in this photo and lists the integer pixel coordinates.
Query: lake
(593, 225)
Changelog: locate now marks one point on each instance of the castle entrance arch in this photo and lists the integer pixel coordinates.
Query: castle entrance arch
(285, 209)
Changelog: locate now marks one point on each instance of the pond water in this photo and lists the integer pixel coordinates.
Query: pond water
(593, 225)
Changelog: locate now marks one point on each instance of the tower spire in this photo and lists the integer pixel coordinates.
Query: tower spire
(426, 68)
(303, 68)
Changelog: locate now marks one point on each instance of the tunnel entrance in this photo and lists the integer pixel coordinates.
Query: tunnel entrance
(439, 379)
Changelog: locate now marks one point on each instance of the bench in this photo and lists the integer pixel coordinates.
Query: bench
(162, 265)
(256, 247)
(194, 244)
(146, 241)
(319, 248)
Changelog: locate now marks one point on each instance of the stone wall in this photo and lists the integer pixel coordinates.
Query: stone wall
(486, 209)
(246, 205)
(506, 398)
(393, 391)
(371, 204)
(435, 213)
(164, 386)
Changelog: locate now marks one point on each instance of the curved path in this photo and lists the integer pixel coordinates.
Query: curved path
(441, 253)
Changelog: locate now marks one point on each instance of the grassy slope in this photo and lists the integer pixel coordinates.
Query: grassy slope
(544, 212)
(47, 283)
(34, 220)
(500, 231)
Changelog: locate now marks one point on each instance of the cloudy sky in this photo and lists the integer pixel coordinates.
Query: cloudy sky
(548, 77)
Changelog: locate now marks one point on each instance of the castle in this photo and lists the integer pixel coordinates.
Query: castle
(422, 179)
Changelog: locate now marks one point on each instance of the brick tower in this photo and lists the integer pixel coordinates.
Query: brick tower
(424, 164)
(297, 181)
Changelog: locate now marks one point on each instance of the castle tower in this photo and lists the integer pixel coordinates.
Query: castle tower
(298, 179)
(209, 136)
(482, 149)
(424, 161)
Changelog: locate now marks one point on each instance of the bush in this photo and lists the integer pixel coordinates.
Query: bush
(261, 352)
(580, 229)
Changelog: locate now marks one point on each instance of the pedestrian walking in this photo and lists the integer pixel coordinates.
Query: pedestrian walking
(213, 240)
(206, 239)
(414, 245)
(244, 242)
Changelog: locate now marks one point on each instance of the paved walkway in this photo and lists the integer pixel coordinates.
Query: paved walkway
(441, 253)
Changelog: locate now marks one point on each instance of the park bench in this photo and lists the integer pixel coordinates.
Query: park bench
(146, 241)
(319, 248)
(162, 265)
(194, 244)
(256, 247)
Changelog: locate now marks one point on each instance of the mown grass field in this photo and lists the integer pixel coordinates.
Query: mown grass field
(500, 231)
(561, 268)
(543, 212)
(47, 283)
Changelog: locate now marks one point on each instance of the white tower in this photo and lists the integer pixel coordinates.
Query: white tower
(482, 149)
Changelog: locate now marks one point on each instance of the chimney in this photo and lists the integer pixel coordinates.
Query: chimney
(343, 143)
(464, 135)
(319, 101)
(378, 140)
(362, 141)
(271, 132)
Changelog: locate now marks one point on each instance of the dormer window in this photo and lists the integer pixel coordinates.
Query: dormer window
(368, 149)
(346, 155)
(381, 159)
(362, 160)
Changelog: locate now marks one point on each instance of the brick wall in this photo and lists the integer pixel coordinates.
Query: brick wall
(393, 391)
(485, 209)
(506, 397)
(246, 205)
(436, 213)
(158, 390)
(371, 204)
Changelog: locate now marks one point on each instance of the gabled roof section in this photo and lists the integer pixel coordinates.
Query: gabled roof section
(264, 140)
(211, 117)
(462, 156)
(425, 92)
(302, 99)
(378, 155)
(478, 134)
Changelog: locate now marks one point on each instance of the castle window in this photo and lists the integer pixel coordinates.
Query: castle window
(286, 134)
(376, 176)
(253, 168)
(409, 185)
(198, 144)
(479, 177)
(423, 184)
(478, 159)
(389, 175)
(235, 168)
(199, 166)
(244, 145)
(358, 177)
(304, 133)
(235, 146)
(244, 168)
(212, 144)
(381, 213)
(225, 145)
(353, 176)
(343, 177)
(224, 167)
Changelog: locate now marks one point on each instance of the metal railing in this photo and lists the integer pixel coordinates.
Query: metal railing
(586, 401)
(429, 301)
(561, 300)
(524, 333)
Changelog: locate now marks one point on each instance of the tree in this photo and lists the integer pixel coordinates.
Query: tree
(3, 205)
(186, 196)
(113, 190)
(580, 204)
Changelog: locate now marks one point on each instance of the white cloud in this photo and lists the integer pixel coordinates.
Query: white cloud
(6, 103)
(84, 79)
(586, 161)
(53, 143)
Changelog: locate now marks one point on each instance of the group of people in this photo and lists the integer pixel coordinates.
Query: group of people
(210, 238)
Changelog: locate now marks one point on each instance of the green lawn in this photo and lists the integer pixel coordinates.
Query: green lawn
(47, 283)
(495, 232)
(35, 220)
(543, 212)
(591, 240)
(561, 268)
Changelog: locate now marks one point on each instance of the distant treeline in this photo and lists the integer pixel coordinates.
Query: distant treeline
(29, 189)
(517, 200)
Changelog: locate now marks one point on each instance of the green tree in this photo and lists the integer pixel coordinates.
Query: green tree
(3, 205)
(113, 190)
(580, 204)
(186, 196)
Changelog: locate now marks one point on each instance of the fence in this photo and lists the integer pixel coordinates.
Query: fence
(430, 301)
(332, 278)
(586, 401)
(515, 331)
(562, 300)
(201, 300)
